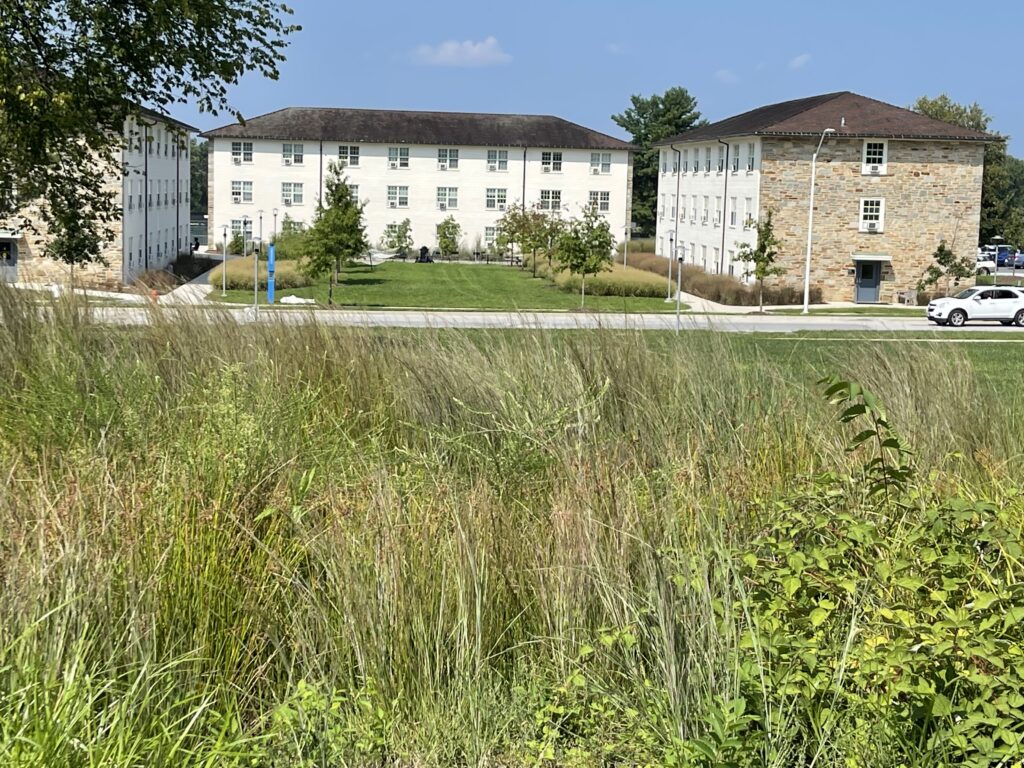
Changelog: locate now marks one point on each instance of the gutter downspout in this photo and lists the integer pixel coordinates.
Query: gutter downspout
(321, 171)
(145, 217)
(177, 199)
(725, 203)
(675, 220)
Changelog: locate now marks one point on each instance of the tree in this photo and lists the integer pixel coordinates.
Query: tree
(398, 237)
(71, 72)
(199, 177)
(585, 247)
(996, 206)
(337, 236)
(762, 256)
(449, 233)
(949, 265)
(649, 120)
(528, 227)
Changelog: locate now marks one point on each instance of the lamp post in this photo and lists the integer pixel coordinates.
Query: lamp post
(671, 258)
(256, 267)
(810, 222)
(224, 266)
(679, 287)
(274, 232)
(246, 230)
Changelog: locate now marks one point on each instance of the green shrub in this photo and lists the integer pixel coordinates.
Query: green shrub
(286, 275)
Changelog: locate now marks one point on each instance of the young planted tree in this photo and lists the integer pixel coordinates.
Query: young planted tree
(949, 266)
(337, 237)
(398, 238)
(762, 256)
(527, 227)
(585, 247)
(72, 72)
(449, 234)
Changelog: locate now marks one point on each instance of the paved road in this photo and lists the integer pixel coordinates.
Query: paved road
(545, 320)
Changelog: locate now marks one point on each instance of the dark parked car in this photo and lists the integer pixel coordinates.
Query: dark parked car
(1018, 260)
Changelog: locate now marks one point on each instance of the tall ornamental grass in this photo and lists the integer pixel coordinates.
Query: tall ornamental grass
(298, 546)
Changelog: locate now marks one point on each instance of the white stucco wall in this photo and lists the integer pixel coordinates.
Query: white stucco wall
(697, 240)
(373, 176)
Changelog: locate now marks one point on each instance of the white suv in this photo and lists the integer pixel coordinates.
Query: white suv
(979, 303)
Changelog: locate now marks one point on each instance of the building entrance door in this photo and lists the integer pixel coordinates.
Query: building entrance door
(868, 281)
(8, 261)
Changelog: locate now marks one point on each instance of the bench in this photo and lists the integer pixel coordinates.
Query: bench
(907, 298)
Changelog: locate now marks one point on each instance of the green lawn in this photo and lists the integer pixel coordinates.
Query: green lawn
(454, 286)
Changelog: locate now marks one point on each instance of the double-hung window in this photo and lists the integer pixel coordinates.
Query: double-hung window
(497, 159)
(398, 197)
(600, 201)
(447, 198)
(292, 154)
(750, 156)
(551, 162)
(354, 189)
(398, 157)
(693, 209)
(496, 198)
(707, 206)
(721, 158)
(447, 159)
(718, 211)
(490, 236)
(748, 210)
(291, 193)
(872, 214)
(600, 162)
(241, 152)
(707, 159)
(732, 211)
(875, 159)
(551, 199)
(242, 227)
(348, 154)
(686, 161)
(241, 192)
(735, 158)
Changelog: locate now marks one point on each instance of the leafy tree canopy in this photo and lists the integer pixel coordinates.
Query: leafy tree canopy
(647, 120)
(585, 247)
(72, 71)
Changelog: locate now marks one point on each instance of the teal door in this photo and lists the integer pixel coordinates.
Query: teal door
(8, 261)
(869, 281)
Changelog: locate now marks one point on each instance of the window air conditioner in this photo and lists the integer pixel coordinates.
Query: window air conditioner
(442, 207)
(875, 170)
(237, 160)
(392, 165)
(392, 205)
(236, 198)
(872, 226)
(442, 166)
(501, 207)
(287, 161)
(287, 203)
(595, 171)
(546, 169)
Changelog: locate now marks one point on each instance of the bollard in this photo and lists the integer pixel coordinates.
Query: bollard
(153, 296)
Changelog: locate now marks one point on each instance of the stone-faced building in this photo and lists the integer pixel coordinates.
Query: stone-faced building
(153, 193)
(891, 184)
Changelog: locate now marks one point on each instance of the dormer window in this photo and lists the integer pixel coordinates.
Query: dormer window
(876, 157)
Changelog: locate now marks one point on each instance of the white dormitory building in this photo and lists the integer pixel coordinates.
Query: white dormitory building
(424, 166)
(153, 193)
(708, 202)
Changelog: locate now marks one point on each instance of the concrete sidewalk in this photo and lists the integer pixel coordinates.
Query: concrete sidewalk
(195, 291)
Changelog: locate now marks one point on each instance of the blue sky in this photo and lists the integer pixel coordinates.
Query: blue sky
(583, 60)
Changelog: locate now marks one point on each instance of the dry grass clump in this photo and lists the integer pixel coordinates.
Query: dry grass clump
(286, 275)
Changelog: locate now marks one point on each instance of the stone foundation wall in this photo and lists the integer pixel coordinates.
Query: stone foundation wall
(932, 192)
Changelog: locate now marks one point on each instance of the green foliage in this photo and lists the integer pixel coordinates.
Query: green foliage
(198, 158)
(584, 247)
(449, 233)
(72, 72)
(290, 242)
(236, 244)
(949, 266)
(398, 238)
(650, 119)
(338, 236)
(762, 256)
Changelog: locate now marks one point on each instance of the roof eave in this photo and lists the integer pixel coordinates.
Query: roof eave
(215, 134)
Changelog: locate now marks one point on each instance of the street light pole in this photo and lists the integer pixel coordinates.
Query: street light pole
(256, 268)
(274, 233)
(810, 222)
(224, 265)
(679, 287)
(671, 258)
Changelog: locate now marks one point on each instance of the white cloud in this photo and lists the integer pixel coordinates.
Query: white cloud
(798, 62)
(452, 53)
(726, 76)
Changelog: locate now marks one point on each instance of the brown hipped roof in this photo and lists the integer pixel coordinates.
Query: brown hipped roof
(383, 126)
(850, 114)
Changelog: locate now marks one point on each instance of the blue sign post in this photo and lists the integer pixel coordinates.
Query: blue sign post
(270, 273)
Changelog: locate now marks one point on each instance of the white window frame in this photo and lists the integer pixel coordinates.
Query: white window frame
(733, 217)
(751, 156)
(748, 219)
(735, 167)
(240, 150)
(718, 210)
(354, 189)
(498, 158)
(721, 158)
(399, 195)
(241, 227)
(551, 200)
(880, 220)
(348, 154)
(551, 160)
(293, 154)
(601, 161)
(707, 159)
(448, 197)
(398, 157)
(240, 189)
(883, 167)
(693, 209)
(496, 198)
(705, 214)
(600, 200)
(686, 161)
(490, 236)
(448, 157)
(292, 193)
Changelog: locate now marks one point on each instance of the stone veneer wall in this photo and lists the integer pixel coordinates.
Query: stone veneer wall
(34, 267)
(932, 191)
